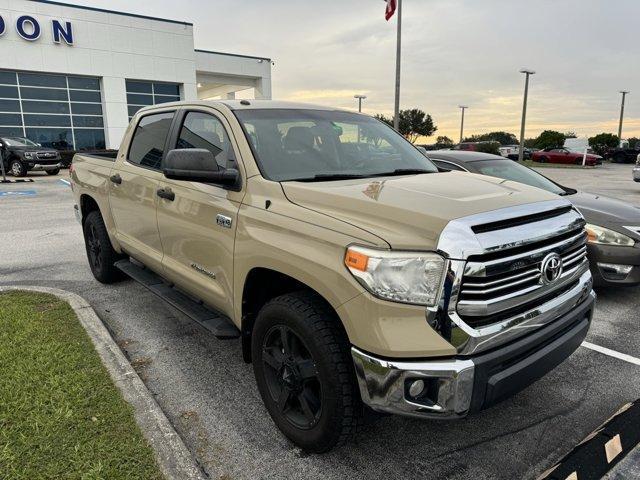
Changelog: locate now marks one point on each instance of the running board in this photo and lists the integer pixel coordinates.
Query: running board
(217, 323)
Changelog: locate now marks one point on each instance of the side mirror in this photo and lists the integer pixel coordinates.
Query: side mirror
(197, 165)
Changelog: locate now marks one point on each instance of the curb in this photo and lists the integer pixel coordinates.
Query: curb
(173, 457)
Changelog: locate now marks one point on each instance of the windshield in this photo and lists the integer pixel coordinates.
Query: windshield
(296, 144)
(18, 142)
(510, 170)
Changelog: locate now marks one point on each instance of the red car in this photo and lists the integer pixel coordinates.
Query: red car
(564, 155)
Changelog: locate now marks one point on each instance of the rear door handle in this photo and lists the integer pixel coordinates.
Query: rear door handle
(166, 193)
(116, 178)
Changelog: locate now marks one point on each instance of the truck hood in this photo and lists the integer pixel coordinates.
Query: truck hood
(410, 212)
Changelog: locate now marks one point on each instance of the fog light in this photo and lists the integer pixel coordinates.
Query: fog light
(416, 388)
(613, 270)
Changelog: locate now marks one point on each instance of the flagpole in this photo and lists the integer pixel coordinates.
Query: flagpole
(396, 110)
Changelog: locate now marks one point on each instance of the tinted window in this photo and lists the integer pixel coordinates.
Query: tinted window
(166, 89)
(12, 131)
(447, 166)
(59, 138)
(33, 106)
(8, 77)
(139, 87)
(86, 108)
(201, 130)
(43, 93)
(87, 121)
(84, 96)
(510, 170)
(10, 119)
(89, 139)
(9, 106)
(84, 83)
(147, 145)
(32, 120)
(8, 92)
(42, 80)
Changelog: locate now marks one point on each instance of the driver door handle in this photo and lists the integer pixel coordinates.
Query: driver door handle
(166, 193)
(116, 178)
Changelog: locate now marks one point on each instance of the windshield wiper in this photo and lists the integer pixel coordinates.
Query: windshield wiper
(402, 171)
(325, 177)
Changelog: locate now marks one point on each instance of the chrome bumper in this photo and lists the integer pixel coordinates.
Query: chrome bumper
(40, 167)
(457, 386)
(383, 385)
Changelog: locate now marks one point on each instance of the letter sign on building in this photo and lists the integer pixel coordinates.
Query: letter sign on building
(29, 28)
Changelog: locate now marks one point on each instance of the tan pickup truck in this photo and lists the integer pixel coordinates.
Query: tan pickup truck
(356, 275)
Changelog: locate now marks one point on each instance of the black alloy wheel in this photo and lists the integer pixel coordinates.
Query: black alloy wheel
(292, 377)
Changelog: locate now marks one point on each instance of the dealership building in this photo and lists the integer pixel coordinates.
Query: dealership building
(72, 76)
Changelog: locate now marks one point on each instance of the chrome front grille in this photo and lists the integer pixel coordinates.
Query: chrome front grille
(502, 284)
(46, 155)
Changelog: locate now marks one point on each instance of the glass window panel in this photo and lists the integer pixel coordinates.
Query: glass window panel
(84, 83)
(8, 77)
(201, 130)
(164, 99)
(139, 99)
(138, 87)
(8, 92)
(86, 108)
(87, 121)
(43, 93)
(147, 146)
(132, 110)
(10, 119)
(59, 138)
(31, 120)
(9, 106)
(32, 106)
(166, 89)
(84, 96)
(90, 139)
(12, 131)
(42, 80)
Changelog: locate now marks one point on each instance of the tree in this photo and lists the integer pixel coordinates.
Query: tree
(415, 123)
(603, 141)
(550, 139)
(570, 134)
(444, 141)
(634, 142)
(503, 138)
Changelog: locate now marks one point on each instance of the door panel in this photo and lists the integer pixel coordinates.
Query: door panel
(133, 207)
(198, 252)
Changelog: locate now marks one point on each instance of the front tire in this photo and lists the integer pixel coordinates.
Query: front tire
(53, 172)
(304, 371)
(100, 253)
(17, 168)
(543, 160)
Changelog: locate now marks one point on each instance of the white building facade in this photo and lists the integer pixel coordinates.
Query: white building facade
(71, 77)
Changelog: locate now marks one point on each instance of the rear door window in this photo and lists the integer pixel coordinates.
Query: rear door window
(149, 138)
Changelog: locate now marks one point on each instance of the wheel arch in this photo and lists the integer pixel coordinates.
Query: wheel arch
(261, 285)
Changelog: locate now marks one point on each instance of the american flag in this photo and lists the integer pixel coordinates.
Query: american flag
(390, 10)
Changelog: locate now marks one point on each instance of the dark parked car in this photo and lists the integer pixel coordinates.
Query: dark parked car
(21, 155)
(613, 226)
(564, 155)
(622, 155)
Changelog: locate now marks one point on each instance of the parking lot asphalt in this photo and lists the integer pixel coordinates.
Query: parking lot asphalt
(210, 395)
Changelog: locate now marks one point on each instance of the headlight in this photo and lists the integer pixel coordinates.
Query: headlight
(604, 236)
(407, 277)
(28, 155)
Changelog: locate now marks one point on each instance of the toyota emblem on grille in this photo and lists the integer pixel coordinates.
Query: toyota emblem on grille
(551, 268)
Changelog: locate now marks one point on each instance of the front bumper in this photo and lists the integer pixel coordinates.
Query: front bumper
(455, 387)
(37, 167)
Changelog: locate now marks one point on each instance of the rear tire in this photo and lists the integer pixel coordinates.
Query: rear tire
(17, 168)
(304, 371)
(53, 172)
(543, 160)
(100, 252)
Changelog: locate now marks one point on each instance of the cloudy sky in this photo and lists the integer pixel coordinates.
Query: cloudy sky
(454, 52)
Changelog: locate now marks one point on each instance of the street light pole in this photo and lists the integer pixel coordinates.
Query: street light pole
(524, 112)
(624, 94)
(463, 108)
(360, 98)
(396, 106)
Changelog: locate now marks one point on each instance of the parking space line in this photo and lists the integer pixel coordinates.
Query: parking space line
(66, 182)
(612, 353)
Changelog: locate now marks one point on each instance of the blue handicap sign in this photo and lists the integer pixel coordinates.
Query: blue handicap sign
(17, 193)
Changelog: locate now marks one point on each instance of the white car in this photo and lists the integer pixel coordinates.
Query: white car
(636, 170)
